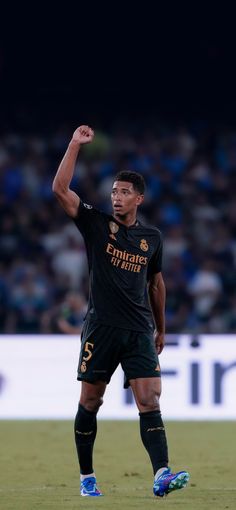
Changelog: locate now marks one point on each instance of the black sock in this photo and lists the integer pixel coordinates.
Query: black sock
(85, 429)
(154, 438)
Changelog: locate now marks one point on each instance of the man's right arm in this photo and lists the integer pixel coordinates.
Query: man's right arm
(67, 198)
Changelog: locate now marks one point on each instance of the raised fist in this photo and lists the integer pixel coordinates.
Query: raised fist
(83, 134)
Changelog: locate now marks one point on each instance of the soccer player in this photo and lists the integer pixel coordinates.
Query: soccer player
(125, 321)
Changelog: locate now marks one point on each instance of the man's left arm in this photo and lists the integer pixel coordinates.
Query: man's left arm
(157, 296)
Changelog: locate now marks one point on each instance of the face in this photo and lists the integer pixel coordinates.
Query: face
(124, 198)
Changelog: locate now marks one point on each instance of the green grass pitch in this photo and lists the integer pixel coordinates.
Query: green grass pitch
(38, 466)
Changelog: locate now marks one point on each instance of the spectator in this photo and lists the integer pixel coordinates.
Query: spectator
(67, 317)
(190, 197)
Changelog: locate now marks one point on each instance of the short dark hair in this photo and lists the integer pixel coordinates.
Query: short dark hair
(136, 179)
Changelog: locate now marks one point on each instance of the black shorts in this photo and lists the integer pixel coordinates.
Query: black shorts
(104, 347)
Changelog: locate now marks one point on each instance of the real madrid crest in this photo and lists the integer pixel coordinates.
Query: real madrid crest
(144, 245)
(114, 229)
(83, 367)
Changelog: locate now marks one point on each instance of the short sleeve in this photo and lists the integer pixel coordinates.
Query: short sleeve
(155, 263)
(87, 219)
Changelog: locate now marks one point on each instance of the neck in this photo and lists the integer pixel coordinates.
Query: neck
(126, 219)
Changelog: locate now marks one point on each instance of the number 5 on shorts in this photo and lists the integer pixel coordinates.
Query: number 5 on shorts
(88, 346)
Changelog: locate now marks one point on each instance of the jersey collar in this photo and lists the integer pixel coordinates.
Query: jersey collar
(134, 225)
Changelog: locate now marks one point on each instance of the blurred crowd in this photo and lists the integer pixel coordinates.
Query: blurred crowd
(191, 181)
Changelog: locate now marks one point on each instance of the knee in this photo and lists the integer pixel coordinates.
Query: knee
(147, 403)
(92, 403)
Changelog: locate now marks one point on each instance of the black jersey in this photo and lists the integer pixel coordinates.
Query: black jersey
(121, 260)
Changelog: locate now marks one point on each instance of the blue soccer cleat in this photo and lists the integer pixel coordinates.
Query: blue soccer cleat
(168, 482)
(88, 487)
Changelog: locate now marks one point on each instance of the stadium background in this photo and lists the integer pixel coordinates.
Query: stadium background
(161, 102)
(159, 90)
